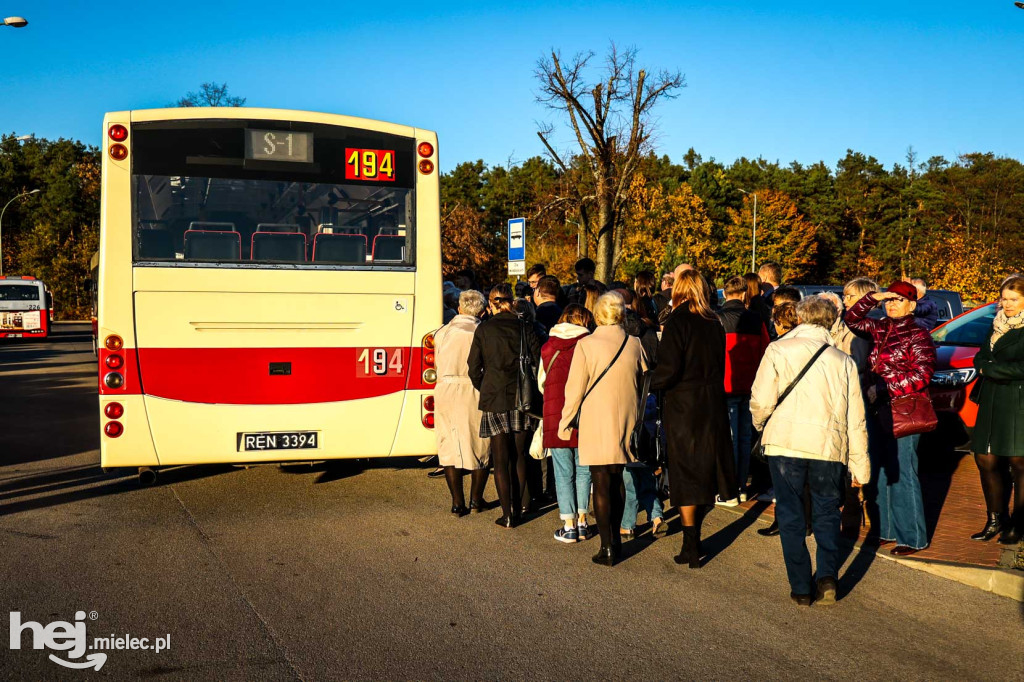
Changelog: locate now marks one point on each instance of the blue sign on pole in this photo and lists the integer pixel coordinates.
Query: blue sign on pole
(517, 239)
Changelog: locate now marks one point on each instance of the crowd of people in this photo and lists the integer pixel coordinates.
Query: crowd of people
(803, 401)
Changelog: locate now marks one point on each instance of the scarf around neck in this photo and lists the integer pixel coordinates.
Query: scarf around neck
(1003, 324)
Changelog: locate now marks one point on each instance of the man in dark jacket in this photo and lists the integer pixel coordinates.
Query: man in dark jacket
(545, 295)
(746, 339)
(585, 271)
(926, 314)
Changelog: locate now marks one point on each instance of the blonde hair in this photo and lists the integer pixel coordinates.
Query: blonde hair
(610, 309)
(691, 288)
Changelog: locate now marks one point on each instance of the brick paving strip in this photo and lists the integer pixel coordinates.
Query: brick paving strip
(954, 509)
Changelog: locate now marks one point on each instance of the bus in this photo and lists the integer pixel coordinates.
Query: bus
(269, 285)
(25, 308)
(94, 283)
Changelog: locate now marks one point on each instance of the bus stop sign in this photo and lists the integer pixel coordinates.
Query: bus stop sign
(517, 246)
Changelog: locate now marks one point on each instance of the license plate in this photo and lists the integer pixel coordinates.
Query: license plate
(14, 335)
(278, 440)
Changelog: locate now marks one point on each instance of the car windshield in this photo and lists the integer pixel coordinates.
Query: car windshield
(967, 330)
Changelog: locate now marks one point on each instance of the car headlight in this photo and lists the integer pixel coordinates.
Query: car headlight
(954, 378)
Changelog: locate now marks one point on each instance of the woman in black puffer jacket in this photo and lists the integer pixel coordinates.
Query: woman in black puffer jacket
(494, 371)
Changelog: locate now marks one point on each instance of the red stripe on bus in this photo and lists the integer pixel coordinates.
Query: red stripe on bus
(242, 376)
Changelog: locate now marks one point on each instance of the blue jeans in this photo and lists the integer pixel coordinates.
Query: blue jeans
(827, 481)
(572, 483)
(641, 493)
(898, 489)
(741, 423)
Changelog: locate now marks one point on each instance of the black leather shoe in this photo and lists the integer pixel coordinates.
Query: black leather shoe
(476, 506)
(992, 528)
(826, 595)
(1011, 535)
(436, 473)
(459, 510)
(605, 556)
(771, 531)
(506, 521)
(801, 599)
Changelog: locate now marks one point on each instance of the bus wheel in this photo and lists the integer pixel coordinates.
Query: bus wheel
(147, 477)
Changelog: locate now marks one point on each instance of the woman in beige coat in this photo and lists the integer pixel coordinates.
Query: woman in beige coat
(459, 445)
(608, 414)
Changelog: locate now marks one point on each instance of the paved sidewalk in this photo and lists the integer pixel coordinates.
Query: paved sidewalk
(954, 509)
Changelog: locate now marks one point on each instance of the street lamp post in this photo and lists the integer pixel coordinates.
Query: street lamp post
(753, 242)
(15, 22)
(2, 211)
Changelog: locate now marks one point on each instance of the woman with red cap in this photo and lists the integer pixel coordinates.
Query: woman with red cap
(902, 362)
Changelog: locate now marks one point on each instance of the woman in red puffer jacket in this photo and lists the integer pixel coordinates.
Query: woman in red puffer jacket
(902, 362)
(572, 480)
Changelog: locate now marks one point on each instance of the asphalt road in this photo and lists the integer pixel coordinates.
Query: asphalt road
(360, 572)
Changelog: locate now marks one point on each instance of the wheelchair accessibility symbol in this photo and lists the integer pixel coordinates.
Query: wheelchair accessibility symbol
(400, 305)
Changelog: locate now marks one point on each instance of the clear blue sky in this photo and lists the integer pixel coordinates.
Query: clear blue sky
(783, 80)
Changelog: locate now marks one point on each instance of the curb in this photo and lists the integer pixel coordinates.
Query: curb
(1004, 582)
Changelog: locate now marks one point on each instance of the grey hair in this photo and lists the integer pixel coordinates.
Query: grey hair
(834, 297)
(472, 302)
(860, 286)
(610, 309)
(817, 310)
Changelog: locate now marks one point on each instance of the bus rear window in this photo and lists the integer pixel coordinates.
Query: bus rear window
(210, 192)
(20, 292)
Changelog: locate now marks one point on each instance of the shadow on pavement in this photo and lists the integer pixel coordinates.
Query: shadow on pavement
(715, 544)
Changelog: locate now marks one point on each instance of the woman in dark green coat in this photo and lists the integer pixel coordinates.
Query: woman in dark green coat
(998, 440)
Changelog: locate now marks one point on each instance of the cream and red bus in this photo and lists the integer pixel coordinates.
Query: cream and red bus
(269, 281)
(25, 309)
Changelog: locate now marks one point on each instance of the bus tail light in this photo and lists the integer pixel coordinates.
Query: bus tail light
(118, 152)
(117, 132)
(114, 361)
(114, 380)
(114, 410)
(429, 373)
(425, 149)
(113, 429)
(428, 411)
(113, 342)
(426, 166)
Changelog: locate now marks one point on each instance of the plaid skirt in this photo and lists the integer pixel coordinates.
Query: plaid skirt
(497, 423)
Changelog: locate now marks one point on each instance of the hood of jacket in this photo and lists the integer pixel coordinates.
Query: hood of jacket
(810, 331)
(466, 323)
(567, 330)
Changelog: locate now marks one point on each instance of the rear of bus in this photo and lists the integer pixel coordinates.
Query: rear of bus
(24, 308)
(269, 284)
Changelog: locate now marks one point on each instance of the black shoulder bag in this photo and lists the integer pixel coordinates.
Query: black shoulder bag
(528, 397)
(644, 445)
(757, 450)
(575, 423)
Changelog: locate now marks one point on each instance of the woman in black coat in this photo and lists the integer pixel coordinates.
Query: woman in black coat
(691, 372)
(998, 438)
(494, 370)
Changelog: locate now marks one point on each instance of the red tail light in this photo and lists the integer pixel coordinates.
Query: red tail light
(114, 410)
(428, 420)
(426, 166)
(425, 149)
(428, 403)
(117, 132)
(115, 361)
(113, 429)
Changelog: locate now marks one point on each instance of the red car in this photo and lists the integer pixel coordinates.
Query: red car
(957, 342)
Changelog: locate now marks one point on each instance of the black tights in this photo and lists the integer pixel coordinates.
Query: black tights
(453, 476)
(609, 501)
(997, 475)
(508, 453)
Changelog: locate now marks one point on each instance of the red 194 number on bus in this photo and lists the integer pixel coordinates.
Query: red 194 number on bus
(379, 362)
(370, 164)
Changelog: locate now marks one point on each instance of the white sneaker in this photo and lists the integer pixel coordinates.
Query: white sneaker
(733, 502)
(767, 497)
(743, 497)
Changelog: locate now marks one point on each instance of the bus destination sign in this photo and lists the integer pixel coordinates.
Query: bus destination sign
(279, 145)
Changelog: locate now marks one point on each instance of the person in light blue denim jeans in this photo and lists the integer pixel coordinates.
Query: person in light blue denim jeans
(641, 493)
(572, 485)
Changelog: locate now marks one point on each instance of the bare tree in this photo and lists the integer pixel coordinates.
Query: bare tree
(611, 119)
(210, 95)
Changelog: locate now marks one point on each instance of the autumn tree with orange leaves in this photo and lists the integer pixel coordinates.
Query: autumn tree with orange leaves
(783, 235)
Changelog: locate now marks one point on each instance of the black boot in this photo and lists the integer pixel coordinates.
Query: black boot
(690, 553)
(1012, 530)
(605, 556)
(992, 528)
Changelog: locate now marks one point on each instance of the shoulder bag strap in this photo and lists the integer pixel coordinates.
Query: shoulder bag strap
(552, 363)
(645, 391)
(799, 376)
(601, 376)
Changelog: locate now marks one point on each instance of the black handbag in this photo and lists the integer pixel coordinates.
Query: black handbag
(756, 449)
(975, 395)
(529, 399)
(646, 446)
(575, 423)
